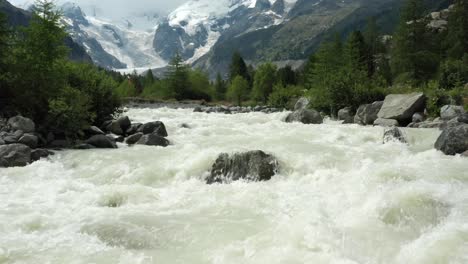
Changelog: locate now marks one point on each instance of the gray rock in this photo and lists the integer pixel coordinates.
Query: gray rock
(465, 154)
(38, 154)
(394, 134)
(115, 128)
(93, 130)
(60, 143)
(154, 127)
(367, 114)
(386, 122)
(185, 126)
(305, 116)
(463, 118)
(2, 142)
(153, 140)
(21, 123)
(402, 107)
(133, 128)
(346, 115)
(418, 117)
(124, 123)
(453, 140)
(302, 104)
(198, 109)
(84, 146)
(14, 155)
(29, 140)
(449, 112)
(251, 166)
(133, 139)
(101, 141)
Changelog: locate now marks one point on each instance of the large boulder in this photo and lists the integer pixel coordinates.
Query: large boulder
(21, 123)
(367, 114)
(38, 154)
(251, 166)
(386, 122)
(114, 128)
(301, 104)
(29, 140)
(394, 134)
(449, 112)
(11, 138)
(133, 128)
(93, 130)
(463, 118)
(346, 115)
(153, 127)
(15, 155)
(153, 139)
(453, 140)
(305, 116)
(418, 118)
(124, 123)
(402, 107)
(101, 141)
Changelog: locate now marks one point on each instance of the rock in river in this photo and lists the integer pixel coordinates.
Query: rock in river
(153, 139)
(367, 114)
(394, 134)
(251, 166)
(154, 127)
(21, 123)
(305, 116)
(15, 155)
(453, 140)
(402, 107)
(101, 141)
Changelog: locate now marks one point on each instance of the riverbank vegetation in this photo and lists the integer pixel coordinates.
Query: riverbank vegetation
(38, 81)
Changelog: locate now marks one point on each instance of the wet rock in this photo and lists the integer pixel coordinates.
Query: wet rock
(115, 128)
(154, 127)
(133, 139)
(11, 138)
(84, 146)
(93, 130)
(133, 128)
(367, 114)
(38, 154)
(386, 122)
(21, 123)
(305, 116)
(198, 109)
(402, 107)
(101, 141)
(346, 115)
(449, 112)
(14, 155)
(153, 139)
(185, 126)
(29, 140)
(394, 134)
(463, 118)
(124, 123)
(465, 154)
(60, 143)
(302, 104)
(453, 140)
(2, 142)
(251, 166)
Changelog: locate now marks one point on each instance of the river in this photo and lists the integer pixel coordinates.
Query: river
(341, 197)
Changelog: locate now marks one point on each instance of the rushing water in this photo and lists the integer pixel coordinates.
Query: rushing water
(341, 197)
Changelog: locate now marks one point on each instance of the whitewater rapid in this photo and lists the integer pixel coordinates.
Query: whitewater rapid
(341, 197)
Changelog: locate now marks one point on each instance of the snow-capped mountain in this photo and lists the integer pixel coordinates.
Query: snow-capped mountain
(115, 44)
(196, 26)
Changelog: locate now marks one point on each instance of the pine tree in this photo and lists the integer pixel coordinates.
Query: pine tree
(5, 50)
(149, 78)
(374, 45)
(238, 90)
(286, 76)
(178, 77)
(220, 87)
(457, 39)
(238, 67)
(356, 52)
(264, 80)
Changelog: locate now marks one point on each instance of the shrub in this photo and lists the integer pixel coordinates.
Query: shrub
(283, 97)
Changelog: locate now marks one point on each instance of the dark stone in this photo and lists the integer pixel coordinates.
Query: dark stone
(154, 127)
(15, 155)
(463, 118)
(93, 130)
(38, 154)
(198, 109)
(453, 140)
(101, 141)
(29, 140)
(124, 123)
(346, 115)
(185, 126)
(60, 143)
(367, 114)
(115, 128)
(21, 123)
(153, 140)
(84, 146)
(251, 166)
(305, 116)
(394, 134)
(133, 139)
(133, 128)
(301, 104)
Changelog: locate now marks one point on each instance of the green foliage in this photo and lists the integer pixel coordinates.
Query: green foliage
(5, 51)
(286, 76)
(453, 73)
(177, 76)
(457, 39)
(284, 97)
(238, 68)
(70, 112)
(199, 86)
(263, 82)
(238, 90)
(220, 87)
(126, 89)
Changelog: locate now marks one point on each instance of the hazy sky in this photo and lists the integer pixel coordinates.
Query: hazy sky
(118, 7)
